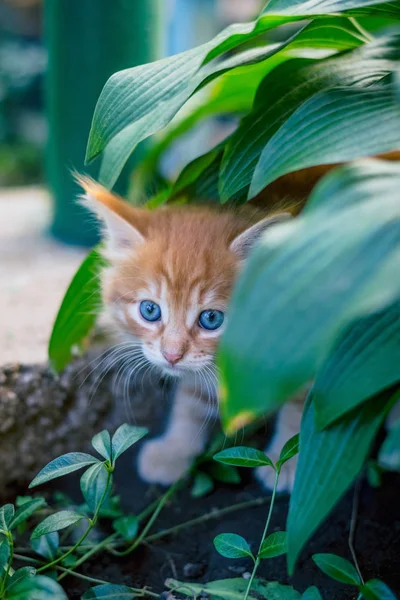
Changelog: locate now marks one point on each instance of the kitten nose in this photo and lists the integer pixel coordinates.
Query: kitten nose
(172, 356)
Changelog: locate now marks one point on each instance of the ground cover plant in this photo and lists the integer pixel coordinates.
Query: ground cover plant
(324, 286)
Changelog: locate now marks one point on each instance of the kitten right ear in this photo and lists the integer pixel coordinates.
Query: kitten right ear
(124, 226)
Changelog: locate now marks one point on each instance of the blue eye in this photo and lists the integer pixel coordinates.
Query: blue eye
(150, 311)
(211, 319)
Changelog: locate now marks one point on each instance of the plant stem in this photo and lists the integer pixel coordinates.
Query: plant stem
(353, 525)
(90, 553)
(258, 558)
(9, 564)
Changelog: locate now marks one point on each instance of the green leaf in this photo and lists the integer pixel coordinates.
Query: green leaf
(389, 453)
(337, 568)
(102, 443)
(224, 473)
(376, 590)
(26, 510)
(124, 438)
(56, 522)
(110, 590)
(242, 456)
(232, 545)
(329, 462)
(19, 575)
(127, 527)
(234, 589)
(287, 87)
(63, 465)
(333, 126)
(203, 485)
(94, 484)
(274, 545)
(6, 516)
(361, 364)
(289, 450)
(37, 588)
(77, 313)
(319, 7)
(46, 545)
(4, 554)
(301, 263)
(311, 593)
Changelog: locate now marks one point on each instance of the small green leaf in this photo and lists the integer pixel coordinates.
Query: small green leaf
(377, 590)
(242, 456)
(224, 473)
(46, 545)
(4, 553)
(311, 593)
(6, 516)
(125, 437)
(127, 527)
(274, 545)
(39, 587)
(337, 568)
(290, 449)
(19, 575)
(110, 590)
(389, 453)
(203, 485)
(94, 484)
(26, 510)
(102, 443)
(232, 545)
(374, 474)
(59, 520)
(67, 463)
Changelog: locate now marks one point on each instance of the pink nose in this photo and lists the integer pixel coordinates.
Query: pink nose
(172, 357)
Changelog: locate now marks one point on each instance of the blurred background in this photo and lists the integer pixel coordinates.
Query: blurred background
(55, 56)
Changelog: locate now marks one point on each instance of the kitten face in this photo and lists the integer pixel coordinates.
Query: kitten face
(171, 273)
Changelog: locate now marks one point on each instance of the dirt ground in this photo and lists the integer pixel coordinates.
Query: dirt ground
(34, 273)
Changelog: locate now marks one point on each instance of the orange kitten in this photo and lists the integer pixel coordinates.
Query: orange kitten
(168, 286)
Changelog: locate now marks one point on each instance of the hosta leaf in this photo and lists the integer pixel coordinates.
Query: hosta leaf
(111, 591)
(376, 590)
(290, 85)
(127, 527)
(124, 438)
(289, 450)
(39, 587)
(67, 463)
(389, 453)
(232, 545)
(362, 363)
(19, 575)
(311, 593)
(26, 510)
(321, 273)
(102, 443)
(94, 485)
(338, 568)
(77, 313)
(202, 485)
(329, 462)
(46, 545)
(242, 456)
(56, 522)
(333, 126)
(234, 589)
(6, 516)
(274, 545)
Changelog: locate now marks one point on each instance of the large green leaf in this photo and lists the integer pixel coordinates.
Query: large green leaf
(286, 88)
(26, 510)
(125, 436)
(63, 465)
(317, 7)
(329, 461)
(363, 362)
(337, 568)
(234, 589)
(307, 279)
(6, 516)
(56, 522)
(94, 485)
(77, 313)
(232, 545)
(243, 456)
(39, 587)
(376, 590)
(46, 545)
(331, 127)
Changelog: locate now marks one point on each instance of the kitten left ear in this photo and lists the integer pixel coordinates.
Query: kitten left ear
(245, 241)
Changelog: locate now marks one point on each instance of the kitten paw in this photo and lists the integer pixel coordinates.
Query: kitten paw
(266, 475)
(158, 463)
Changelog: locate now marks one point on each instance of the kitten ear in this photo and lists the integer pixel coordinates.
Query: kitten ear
(244, 242)
(124, 226)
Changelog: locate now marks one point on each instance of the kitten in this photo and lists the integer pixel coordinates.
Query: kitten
(168, 285)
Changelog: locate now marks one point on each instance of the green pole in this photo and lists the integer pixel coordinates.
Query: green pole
(87, 41)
